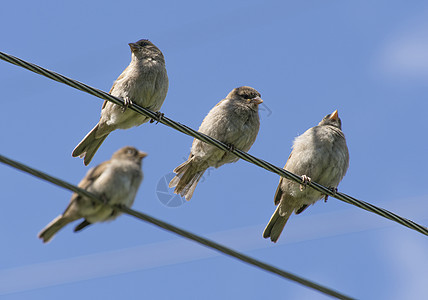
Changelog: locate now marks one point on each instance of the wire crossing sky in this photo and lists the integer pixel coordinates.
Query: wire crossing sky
(179, 231)
(186, 130)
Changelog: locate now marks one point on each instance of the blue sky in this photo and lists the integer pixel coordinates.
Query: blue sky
(307, 58)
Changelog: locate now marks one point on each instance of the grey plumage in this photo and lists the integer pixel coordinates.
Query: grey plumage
(321, 154)
(115, 181)
(143, 82)
(234, 121)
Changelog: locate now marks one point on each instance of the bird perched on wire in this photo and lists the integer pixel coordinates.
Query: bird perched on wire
(319, 154)
(115, 181)
(233, 121)
(143, 82)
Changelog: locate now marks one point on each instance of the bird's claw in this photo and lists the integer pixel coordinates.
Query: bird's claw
(126, 103)
(230, 147)
(159, 117)
(305, 181)
(333, 190)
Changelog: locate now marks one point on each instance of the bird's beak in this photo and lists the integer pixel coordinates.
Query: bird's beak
(334, 115)
(257, 100)
(142, 154)
(134, 47)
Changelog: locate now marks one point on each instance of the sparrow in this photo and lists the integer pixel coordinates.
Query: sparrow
(143, 82)
(319, 154)
(115, 181)
(233, 121)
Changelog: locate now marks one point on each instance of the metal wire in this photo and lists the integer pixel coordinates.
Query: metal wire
(184, 233)
(186, 130)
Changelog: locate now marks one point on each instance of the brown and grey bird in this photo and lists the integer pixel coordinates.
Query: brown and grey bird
(115, 181)
(233, 121)
(143, 82)
(320, 154)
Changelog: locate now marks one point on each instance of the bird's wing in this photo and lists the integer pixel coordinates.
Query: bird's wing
(114, 84)
(279, 191)
(92, 175)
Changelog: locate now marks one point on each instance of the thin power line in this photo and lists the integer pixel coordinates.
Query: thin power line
(179, 231)
(186, 130)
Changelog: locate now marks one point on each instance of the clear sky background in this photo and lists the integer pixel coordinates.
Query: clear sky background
(368, 59)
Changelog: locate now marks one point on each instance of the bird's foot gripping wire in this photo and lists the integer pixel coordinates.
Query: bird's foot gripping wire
(158, 118)
(230, 147)
(333, 190)
(305, 181)
(126, 103)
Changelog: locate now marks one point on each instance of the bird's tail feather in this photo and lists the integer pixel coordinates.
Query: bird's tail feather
(53, 227)
(188, 175)
(277, 222)
(89, 145)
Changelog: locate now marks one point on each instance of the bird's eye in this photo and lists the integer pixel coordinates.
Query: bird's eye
(253, 95)
(130, 151)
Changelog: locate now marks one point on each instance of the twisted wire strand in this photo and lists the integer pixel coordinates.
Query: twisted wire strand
(181, 232)
(186, 130)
